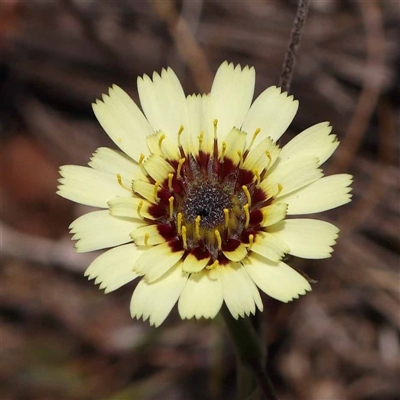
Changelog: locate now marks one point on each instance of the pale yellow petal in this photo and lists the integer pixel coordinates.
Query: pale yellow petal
(274, 213)
(192, 264)
(201, 297)
(147, 235)
(114, 268)
(124, 123)
(116, 162)
(272, 112)
(306, 238)
(231, 95)
(236, 255)
(234, 145)
(291, 176)
(240, 293)
(277, 280)
(262, 156)
(163, 102)
(324, 194)
(145, 189)
(315, 141)
(200, 133)
(269, 246)
(158, 168)
(157, 261)
(89, 187)
(155, 300)
(130, 207)
(99, 230)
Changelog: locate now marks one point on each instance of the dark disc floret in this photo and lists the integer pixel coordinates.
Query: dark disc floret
(207, 200)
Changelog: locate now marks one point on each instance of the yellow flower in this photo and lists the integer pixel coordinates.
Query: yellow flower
(197, 201)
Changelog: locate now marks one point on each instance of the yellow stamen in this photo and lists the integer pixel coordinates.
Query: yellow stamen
(184, 238)
(247, 193)
(246, 211)
(219, 240)
(251, 241)
(264, 214)
(197, 227)
(255, 134)
(119, 179)
(140, 162)
(162, 137)
(240, 154)
(201, 139)
(221, 160)
(226, 215)
(269, 158)
(170, 177)
(215, 122)
(171, 208)
(181, 128)
(257, 175)
(280, 188)
(213, 265)
(178, 172)
(156, 186)
(146, 239)
(139, 207)
(179, 222)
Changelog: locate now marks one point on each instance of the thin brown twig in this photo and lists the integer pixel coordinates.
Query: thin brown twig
(294, 43)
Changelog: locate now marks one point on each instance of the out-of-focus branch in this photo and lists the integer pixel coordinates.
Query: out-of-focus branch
(42, 251)
(372, 84)
(90, 31)
(185, 42)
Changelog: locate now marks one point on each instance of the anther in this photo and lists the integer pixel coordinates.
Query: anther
(213, 265)
(171, 207)
(215, 122)
(257, 175)
(226, 215)
(181, 128)
(255, 134)
(264, 214)
(156, 186)
(146, 239)
(219, 240)
(170, 177)
(197, 227)
(178, 172)
(269, 158)
(251, 241)
(201, 139)
(184, 238)
(247, 213)
(162, 137)
(240, 154)
(179, 223)
(119, 179)
(247, 193)
(221, 160)
(280, 188)
(140, 162)
(139, 207)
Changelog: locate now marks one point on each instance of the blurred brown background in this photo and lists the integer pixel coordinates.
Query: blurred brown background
(62, 338)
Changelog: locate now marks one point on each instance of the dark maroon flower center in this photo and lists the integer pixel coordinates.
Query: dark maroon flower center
(208, 207)
(206, 200)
